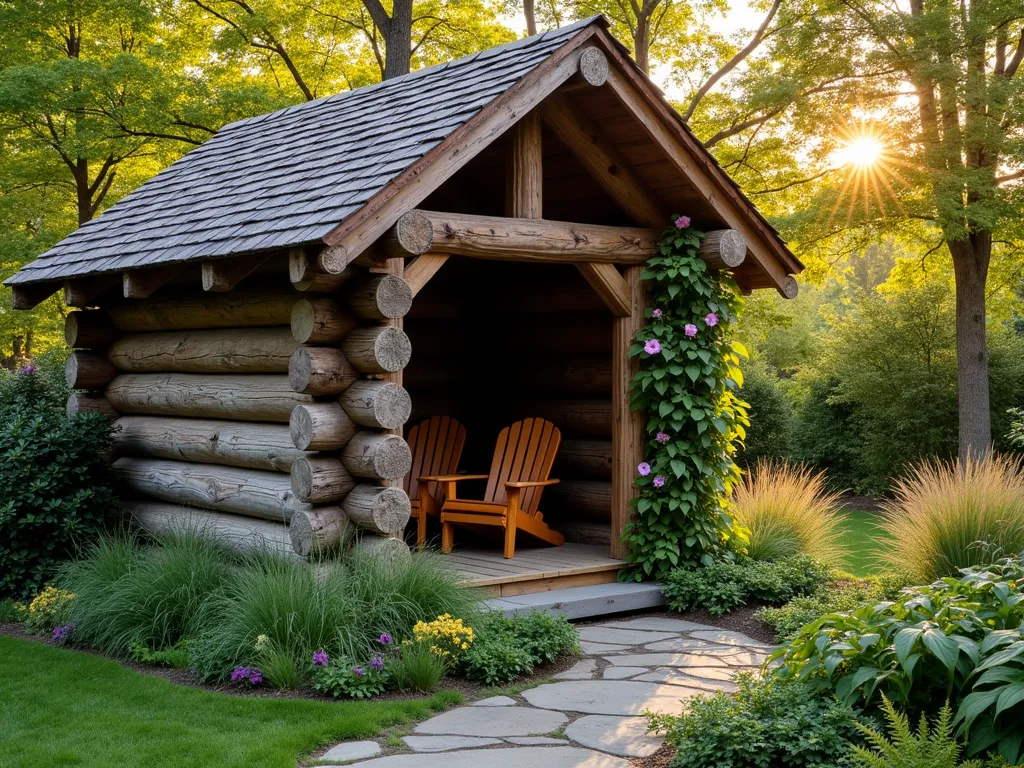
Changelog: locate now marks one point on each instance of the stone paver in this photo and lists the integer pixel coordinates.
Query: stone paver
(609, 697)
(665, 660)
(725, 637)
(675, 677)
(495, 701)
(535, 741)
(446, 743)
(688, 644)
(512, 757)
(621, 673)
(599, 649)
(514, 721)
(660, 624)
(581, 670)
(620, 636)
(352, 750)
(624, 736)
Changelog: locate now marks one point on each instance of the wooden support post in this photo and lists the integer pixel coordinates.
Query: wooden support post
(627, 425)
(221, 275)
(31, 295)
(419, 271)
(610, 286)
(82, 291)
(143, 283)
(524, 171)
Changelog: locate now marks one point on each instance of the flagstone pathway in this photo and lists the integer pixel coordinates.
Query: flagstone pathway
(592, 716)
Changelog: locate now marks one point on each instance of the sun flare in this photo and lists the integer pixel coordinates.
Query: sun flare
(861, 151)
(868, 162)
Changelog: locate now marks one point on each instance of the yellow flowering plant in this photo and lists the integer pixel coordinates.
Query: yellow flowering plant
(48, 610)
(449, 637)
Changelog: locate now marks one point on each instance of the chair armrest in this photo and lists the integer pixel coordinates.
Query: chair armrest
(531, 483)
(450, 478)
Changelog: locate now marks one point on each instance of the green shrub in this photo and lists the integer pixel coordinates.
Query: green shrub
(177, 656)
(48, 610)
(788, 511)
(768, 723)
(951, 515)
(55, 485)
(416, 667)
(507, 648)
(343, 678)
(1015, 435)
(11, 612)
(769, 436)
(841, 593)
(725, 586)
(959, 639)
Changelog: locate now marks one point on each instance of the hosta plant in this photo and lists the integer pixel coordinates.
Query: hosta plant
(959, 640)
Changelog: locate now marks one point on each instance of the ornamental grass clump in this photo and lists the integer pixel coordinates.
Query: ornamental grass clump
(948, 515)
(788, 511)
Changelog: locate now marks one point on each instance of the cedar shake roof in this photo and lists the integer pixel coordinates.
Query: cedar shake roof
(290, 177)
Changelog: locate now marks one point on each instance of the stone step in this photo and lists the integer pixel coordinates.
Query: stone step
(583, 602)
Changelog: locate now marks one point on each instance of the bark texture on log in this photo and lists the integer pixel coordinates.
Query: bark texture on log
(390, 549)
(249, 492)
(242, 534)
(88, 329)
(376, 508)
(306, 275)
(253, 397)
(584, 459)
(381, 349)
(206, 441)
(88, 370)
(377, 456)
(321, 427)
(320, 320)
(723, 249)
(380, 297)
(230, 350)
(377, 404)
(320, 371)
(320, 479)
(196, 312)
(319, 530)
(81, 402)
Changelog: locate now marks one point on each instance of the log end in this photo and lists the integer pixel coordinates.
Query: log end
(300, 426)
(392, 349)
(393, 296)
(319, 530)
(414, 232)
(381, 509)
(392, 406)
(733, 248)
(80, 402)
(391, 551)
(789, 288)
(378, 456)
(334, 259)
(594, 67)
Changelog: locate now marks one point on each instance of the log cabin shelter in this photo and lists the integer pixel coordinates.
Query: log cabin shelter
(269, 318)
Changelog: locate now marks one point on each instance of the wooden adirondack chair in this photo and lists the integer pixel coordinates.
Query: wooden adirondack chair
(522, 462)
(436, 445)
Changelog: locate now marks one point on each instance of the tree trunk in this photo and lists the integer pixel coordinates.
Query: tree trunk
(398, 40)
(531, 18)
(641, 47)
(970, 266)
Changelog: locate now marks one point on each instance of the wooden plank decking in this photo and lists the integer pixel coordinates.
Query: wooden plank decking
(536, 570)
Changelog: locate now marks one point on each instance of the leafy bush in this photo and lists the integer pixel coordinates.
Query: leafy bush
(951, 515)
(55, 485)
(48, 610)
(507, 648)
(343, 678)
(841, 593)
(959, 639)
(770, 434)
(1015, 436)
(768, 723)
(788, 512)
(725, 586)
(12, 612)
(177, 656)
(416, 667)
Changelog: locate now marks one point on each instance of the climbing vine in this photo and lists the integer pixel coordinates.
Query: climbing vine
(689, 372)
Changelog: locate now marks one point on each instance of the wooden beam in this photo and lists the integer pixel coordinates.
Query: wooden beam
(30, 295)
(610, 286)
(602, 161)
(220, 275)
(82, 291)
(524, 171)
(143, 283)
(419, 271)
(627, 425)
(411, 235)
(306, 275)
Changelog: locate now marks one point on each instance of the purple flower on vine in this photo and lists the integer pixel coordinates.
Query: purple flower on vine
(690, 330)
(658, 481)
(711, 319)
(656, 313)
(652, 347)
(643, 468)
(662, 437)
(683, 222)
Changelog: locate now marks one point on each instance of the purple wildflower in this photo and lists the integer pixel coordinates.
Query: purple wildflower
(711, 319)
(656, 313)
(643, 468)
(27, 369)
(385, 639)
(662, 437)
(658, 481)
(320, 659)
(240, 673)
(358, 671)
(683, 222)
(60, 634)
(377, 662)
(255, 676)
(690, 330)
(652, 347)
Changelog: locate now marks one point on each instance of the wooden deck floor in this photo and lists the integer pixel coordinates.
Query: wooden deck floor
(536, 570)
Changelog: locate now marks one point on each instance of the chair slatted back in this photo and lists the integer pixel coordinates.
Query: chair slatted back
(525, 451)
(436, 445)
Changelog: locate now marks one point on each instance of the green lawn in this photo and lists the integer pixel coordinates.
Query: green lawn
(62, 708)
(862, 541)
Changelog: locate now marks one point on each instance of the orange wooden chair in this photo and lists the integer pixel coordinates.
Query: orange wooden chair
(522, 462)
(436, 445)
